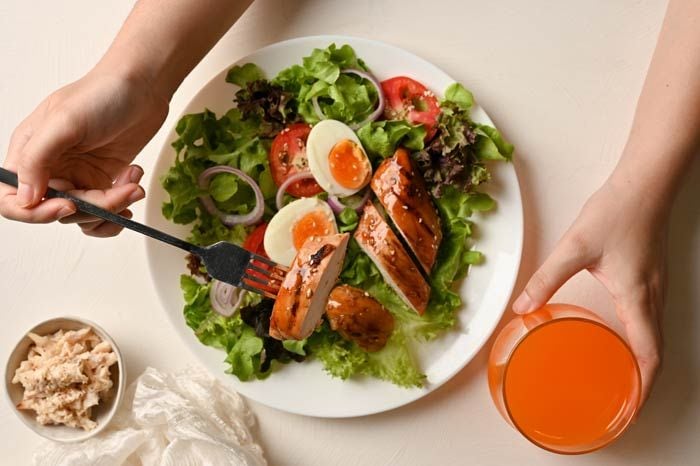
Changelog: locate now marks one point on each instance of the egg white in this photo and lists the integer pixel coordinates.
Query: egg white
(322, 138)
(278, 240)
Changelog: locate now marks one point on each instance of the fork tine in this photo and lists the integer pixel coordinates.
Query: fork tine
(274, 265)
(264, 260)
(259, 280)
(259, 269)
(248, 287)
(273, 272)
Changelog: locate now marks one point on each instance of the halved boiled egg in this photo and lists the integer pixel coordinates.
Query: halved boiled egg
(298, 220)
(336, 158)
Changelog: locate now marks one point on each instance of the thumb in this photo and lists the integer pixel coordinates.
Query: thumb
(569, 257)
(35, 160)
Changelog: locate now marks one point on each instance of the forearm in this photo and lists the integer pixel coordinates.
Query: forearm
(666, 131)
(162, 40)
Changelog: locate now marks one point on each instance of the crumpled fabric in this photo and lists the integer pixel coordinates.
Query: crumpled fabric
(181, 419)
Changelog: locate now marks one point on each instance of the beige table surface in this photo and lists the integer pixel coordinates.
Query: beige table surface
(559, 78)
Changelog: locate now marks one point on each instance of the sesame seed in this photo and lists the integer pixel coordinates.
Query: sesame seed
(309, 292)
(420, 220)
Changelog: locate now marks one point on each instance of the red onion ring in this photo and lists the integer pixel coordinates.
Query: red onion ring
(225, 299)
(380, 97)
(279, 197)
(337, 205)
(251, 217)
(372, 116)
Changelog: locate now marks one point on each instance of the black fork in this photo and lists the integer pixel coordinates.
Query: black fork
(224, 261)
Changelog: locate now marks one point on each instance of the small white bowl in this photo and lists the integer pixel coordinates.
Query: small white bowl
(102, 413)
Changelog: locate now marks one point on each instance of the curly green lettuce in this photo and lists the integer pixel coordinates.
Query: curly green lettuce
(340, 96)
(205, 141)
(457, 154)
(250, 351)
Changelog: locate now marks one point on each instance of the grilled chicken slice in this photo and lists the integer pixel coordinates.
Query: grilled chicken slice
(359, 317)
(380, 243)
(400, 188)
(302, 298)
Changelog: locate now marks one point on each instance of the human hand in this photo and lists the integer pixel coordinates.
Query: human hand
(82, 139)
(620, 238)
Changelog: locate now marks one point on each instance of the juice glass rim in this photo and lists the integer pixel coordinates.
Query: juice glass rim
(627, 422)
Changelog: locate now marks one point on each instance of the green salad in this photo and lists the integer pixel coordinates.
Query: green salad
(224, 162)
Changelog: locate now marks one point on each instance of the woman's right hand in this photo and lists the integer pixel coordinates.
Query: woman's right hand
(82, 139)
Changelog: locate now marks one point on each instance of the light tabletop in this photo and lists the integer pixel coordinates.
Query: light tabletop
(560, 79)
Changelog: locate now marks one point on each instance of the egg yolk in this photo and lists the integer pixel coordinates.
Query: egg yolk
(348, 164)
(314, 223)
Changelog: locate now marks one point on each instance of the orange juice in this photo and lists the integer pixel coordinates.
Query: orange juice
(570, 382)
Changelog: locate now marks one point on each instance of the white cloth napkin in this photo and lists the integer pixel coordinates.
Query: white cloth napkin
(181, 419)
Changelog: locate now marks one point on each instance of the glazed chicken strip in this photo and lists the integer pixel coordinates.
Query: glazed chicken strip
(359, 317)
(400, 188)
(380, 243)
(302, 298)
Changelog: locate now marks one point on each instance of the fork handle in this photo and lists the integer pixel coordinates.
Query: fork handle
(10, 178)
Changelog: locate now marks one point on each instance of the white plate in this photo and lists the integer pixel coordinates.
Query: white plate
(305, 388)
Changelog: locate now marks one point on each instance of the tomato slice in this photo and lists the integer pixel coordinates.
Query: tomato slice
(254, 241)
(288, 156)
(407, 99)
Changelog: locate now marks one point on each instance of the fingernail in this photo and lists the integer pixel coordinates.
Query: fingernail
(523, 304)
(135, 174)
(25, 195)
(65, 211)
(136, 195)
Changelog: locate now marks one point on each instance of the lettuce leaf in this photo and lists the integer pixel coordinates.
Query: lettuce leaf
(205, 141)
(348, 220)
(381, 138)
(344, 359)
(490, 145)
(245, 74)
(456, 155)
(249, 349)
(340, 96)
(457, 94)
